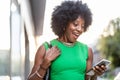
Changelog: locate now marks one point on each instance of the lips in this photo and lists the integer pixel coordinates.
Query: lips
(76, 35)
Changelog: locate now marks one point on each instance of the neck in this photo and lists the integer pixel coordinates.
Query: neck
(64, 39)
(66, 42)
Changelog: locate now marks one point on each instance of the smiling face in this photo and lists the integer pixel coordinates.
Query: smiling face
(73, 30)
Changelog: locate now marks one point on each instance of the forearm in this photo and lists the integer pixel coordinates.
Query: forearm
(37, 75)
(94, 77)
(88, 77)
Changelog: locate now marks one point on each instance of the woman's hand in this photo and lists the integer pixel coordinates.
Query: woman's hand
(99, 70)
(50, 55)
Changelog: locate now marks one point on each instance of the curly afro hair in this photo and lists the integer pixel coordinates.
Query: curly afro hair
(67, 12)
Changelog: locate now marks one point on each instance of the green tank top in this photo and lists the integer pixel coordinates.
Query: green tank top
(71, 64)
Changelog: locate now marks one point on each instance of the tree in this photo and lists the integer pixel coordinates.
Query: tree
(109, 43)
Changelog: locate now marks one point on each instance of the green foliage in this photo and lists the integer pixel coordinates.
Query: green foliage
(109, 43)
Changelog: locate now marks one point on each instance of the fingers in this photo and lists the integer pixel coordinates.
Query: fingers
(99, 70)
(52, 53)
(54, 50)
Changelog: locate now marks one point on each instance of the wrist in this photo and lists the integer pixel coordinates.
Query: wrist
(43, 67)
(94, 77)
(42, 71)
(45, 64)
(39, 75)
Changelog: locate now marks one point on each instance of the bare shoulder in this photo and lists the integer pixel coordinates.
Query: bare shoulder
(90, 52)
(90, 59)
(39, 54)
(40, 50)
(38, 58)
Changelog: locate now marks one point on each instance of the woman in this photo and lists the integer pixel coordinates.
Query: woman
(68, 59)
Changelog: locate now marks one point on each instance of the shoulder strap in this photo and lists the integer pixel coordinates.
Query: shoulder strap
(47, 45)
(47, 75)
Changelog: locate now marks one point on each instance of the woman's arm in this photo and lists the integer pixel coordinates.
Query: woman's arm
(37, 62)
(89, 62)
(99, 70)
(43, 60)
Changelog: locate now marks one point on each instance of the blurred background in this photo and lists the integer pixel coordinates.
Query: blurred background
(25, 25)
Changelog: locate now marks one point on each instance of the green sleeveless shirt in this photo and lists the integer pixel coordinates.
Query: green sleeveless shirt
(71, 64)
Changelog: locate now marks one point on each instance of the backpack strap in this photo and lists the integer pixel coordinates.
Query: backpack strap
(47, 45)
(47, 75)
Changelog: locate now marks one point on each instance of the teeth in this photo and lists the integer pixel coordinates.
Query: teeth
(76, 34)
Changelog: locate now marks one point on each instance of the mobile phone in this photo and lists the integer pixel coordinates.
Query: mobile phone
(101, 62)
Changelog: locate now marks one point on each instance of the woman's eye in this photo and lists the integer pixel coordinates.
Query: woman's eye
(82, 26)
(75, 24)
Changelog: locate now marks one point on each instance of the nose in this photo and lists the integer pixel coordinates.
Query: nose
(80, 28)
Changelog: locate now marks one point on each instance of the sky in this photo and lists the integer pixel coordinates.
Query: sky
(103, 11)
